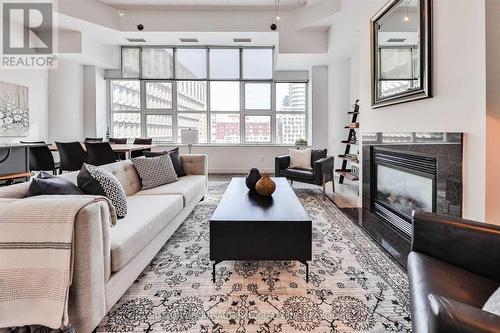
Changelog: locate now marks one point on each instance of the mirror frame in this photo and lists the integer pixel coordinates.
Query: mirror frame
(425, 91)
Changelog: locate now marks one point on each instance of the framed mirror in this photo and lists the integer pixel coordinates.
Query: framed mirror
(402, 52)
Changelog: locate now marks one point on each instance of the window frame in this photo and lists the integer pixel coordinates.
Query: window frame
(174, 111)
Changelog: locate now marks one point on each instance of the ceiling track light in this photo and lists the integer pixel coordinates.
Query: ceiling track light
(276, 15)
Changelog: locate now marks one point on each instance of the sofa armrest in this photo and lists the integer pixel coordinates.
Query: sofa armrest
(470, 245)
(324, 167)
(453, 316)
(92, 266)
(195, 164)
(280, 163)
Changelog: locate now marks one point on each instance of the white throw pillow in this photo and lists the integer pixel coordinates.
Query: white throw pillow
(300, 158)
(493, 303)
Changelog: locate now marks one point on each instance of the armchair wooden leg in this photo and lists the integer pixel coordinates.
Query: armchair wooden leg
(324, 186)
(333, 182)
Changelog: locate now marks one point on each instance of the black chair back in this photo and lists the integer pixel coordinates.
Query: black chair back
(118, 141)
(93, 139)
(72, 155)
(141, 141)
(41, 158)
(100, 153)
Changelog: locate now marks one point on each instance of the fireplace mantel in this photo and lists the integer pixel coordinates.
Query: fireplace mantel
(446, 149)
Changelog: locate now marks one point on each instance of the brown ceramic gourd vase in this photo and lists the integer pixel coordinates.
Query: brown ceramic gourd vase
(265, 186)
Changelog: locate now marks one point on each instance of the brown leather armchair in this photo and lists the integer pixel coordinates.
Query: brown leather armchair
(453, 269)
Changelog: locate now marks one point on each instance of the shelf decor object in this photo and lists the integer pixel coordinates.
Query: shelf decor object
(348, 157)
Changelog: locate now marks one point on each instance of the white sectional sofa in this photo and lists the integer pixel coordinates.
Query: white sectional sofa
(107, 259)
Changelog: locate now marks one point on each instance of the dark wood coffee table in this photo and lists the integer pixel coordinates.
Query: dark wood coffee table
(246, 226)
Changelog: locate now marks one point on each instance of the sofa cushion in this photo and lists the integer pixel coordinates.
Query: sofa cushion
(96, 181)
(148, 215)
(47, 184)
(155, 171)
(300, 158)
(188, 186)
(297, 174)
(431, 276)
(174, 156)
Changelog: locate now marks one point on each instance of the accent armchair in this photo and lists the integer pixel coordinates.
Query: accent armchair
(321, 171)
(453, 269)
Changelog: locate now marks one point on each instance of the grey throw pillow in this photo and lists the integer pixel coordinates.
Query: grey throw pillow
(155, 171)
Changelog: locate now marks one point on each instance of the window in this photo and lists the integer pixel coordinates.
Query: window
(159, 127)
(191, 95)
(257, 64)
(257, 96)
(257, 129)
(158, 95)
(225, 64)
(290, 97)
(157, 63)
(224, 96)
(130, 62)
(290, 112)
(191, 64)
(225, 128)
(227, 94)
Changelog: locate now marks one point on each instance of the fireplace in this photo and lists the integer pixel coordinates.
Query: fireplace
(404, 173)
(403, 183)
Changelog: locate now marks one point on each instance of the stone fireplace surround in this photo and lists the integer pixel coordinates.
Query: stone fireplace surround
(445, 148)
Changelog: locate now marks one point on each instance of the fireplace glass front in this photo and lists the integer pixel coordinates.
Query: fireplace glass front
(404, 191)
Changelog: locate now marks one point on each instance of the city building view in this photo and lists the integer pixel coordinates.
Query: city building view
(171, 106)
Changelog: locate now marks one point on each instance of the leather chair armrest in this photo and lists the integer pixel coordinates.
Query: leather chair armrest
(453, 316)
(281, 162)
(470, 245)
(322, 167)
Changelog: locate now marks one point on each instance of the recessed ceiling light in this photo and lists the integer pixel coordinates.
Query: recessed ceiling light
(136, 40)
(242, 40)
(189, 40)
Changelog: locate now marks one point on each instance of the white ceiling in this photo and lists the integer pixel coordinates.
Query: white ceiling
(208, 3)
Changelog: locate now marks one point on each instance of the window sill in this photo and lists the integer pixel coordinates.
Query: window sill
(233, 145)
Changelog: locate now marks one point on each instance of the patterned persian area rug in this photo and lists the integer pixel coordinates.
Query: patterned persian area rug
(354, 286)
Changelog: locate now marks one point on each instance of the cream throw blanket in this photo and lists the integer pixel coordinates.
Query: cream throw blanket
(36, 258)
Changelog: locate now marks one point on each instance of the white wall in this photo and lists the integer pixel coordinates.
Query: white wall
(339, 103)
(94, 103)
(459, 89)
(319, 109)
(66, 116)
(37, 82)
(236, 159)
(492, 111)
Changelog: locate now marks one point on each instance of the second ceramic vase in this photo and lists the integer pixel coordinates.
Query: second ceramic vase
(265, 186)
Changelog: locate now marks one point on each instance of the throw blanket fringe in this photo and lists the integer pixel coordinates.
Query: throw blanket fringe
(36, 258)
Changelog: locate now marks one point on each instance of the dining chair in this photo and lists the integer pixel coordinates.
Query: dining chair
(141, 141)
(100, 153)
(72, 155)
(41, 158)
(93, 139)
(118, 141)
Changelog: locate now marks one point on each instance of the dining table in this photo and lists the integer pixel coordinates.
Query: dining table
(126, 149)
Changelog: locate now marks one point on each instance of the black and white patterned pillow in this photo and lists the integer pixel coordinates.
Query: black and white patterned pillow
(96, 181)
(155, 171)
